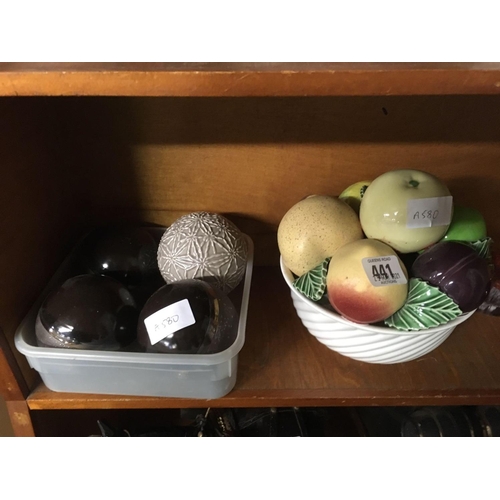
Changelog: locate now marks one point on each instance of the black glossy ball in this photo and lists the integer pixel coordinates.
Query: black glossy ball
(126, 253)
(88, 312)
(215, 320)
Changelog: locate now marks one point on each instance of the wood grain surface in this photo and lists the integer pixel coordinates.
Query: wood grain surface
(71, 163)
(248, 79)
(34, 218)
(155, 159)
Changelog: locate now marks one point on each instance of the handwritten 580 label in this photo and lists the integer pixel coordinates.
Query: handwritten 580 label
(429, 212)
(167, 321)
(383, 271)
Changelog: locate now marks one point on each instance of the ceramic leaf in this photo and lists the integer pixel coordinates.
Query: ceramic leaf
(482, 247)
(425, 307)
(313, 283)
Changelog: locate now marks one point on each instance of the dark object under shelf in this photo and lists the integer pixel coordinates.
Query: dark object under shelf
(435, 421)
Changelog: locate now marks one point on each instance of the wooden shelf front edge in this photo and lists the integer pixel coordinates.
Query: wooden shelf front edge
(45, 399)
(281, 364)
(247, 79)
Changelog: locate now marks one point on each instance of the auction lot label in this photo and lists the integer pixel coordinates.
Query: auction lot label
(384, 271)
(167, 321)
(429, 212)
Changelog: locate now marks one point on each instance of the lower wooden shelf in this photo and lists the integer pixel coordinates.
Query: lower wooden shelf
(281, 364)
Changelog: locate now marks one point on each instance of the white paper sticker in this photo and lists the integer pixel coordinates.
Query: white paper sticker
(383, 271)
(429, 212)
(167, 321)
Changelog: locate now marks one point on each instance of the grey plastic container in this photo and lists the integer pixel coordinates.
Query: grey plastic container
(197, 376)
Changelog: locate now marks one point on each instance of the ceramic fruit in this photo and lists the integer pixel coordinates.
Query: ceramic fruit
(457, 270)
(354, 193)
(206, 246)
(313, 229)
(407, 209)
(88, 312)
(125, 253)
(467, 224)
(366, 281)
(491, 305)
(187, 317)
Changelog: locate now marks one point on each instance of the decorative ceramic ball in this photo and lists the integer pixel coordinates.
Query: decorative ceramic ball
(88, 312)
(187, 317)
(205, 246)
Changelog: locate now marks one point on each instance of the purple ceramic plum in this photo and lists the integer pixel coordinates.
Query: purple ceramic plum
(457, 270)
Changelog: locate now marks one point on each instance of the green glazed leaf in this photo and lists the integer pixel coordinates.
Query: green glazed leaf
(313, 283)
(482, 247)
(425, 307)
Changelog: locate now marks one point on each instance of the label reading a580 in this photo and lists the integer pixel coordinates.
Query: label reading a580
(166, 321)
(383, 271)
(429, 212)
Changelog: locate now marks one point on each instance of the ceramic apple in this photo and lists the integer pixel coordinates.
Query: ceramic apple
(366, 281)
(407, 209)
(457, 270)
(467, 224)
(353, 194)
(313, 229)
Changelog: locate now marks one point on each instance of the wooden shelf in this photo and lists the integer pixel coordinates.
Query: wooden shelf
(247, 79)
(165, 157)
(281, 364)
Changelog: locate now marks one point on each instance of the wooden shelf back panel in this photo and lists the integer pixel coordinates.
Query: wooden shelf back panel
(252, 159)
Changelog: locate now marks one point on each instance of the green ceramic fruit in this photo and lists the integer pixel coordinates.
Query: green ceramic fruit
(467, 224)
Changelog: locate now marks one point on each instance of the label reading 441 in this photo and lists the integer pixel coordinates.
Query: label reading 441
(383, 271)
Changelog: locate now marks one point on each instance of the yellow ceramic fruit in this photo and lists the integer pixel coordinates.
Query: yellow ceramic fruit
(407, 209)
(354, 193)
(313, 229)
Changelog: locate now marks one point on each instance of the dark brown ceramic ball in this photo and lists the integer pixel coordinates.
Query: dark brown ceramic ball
(88, 312)
(126, 253)
(214, 320)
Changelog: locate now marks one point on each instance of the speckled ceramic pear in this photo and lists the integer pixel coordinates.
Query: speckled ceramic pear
(206, 246)
(313, 229)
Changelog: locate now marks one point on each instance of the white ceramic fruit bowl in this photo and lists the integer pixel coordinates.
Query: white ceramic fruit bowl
(371, 344)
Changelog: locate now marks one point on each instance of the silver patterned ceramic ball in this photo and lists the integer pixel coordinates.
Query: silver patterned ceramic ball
(206, 246)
